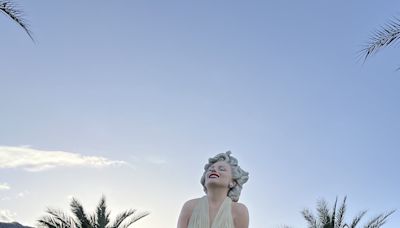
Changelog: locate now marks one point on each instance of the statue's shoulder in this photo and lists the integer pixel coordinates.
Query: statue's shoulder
(240, 214)
(190, 204)
(186, 212)
(239, 207)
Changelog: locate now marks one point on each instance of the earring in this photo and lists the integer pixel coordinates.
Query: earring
(231, 185)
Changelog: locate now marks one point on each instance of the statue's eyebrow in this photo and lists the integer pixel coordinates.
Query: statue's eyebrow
(213, 166)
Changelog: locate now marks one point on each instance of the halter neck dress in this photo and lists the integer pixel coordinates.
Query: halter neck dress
(200, 215)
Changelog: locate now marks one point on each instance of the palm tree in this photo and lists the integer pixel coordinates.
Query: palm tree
(386, 36)
(335, 218)
(10, 9)
(99, 219)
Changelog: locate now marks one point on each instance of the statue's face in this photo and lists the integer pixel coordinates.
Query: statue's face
(219, 174)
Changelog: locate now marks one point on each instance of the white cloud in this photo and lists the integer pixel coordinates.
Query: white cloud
(4, 186)
(18, 195)
(6, 216)
(6, 198)
(156, 160)
(22, 194)
(37, 160)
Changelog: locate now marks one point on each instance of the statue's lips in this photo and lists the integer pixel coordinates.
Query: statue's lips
(213, 175)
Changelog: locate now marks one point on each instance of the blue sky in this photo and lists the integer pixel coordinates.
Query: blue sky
(136, 95)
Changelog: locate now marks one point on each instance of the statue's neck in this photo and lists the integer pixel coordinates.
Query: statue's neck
(216, 195)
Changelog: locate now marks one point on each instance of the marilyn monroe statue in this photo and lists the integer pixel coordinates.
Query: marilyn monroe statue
(222, 181)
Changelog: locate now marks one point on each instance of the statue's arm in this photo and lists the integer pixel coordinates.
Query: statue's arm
(186, 212)
(241, 216)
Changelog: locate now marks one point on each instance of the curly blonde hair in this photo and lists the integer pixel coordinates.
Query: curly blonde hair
(239, 176)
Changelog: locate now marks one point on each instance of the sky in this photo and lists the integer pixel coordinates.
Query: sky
(128, 99)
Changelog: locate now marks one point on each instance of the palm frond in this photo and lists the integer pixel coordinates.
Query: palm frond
(12, 11)
(379, 220)
(121, 218)
(102, 216)
(99, 219)
(333, 217)
(383, 37)
(323, 212)
(93, 220)
(52, 222)
(135, 218)
(310, 218)
(79, 212)
(62, 218)
(49, 222)
(340, 215)
(357, 219)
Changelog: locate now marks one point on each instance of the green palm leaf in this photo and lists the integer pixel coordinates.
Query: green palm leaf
(102, 216)
(357, 219)
(49, 222)
(340, 215)
(383, 37)
(121, 218)
(99, 219)
(379, 220)
(62, 218)
(335, 219)
(309, 217)
(12, 11)
(79, 212)
(135, 219)
(323, 213)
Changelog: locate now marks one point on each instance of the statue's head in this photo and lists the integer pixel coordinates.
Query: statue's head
(223, 170)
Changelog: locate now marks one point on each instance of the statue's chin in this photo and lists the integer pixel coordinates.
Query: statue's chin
(215, 184)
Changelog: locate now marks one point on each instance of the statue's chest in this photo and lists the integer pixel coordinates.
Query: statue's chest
(212, 213)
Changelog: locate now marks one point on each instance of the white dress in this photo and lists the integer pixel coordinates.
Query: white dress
(200, 215)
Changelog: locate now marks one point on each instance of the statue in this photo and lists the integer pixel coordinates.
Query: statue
(222, 182)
